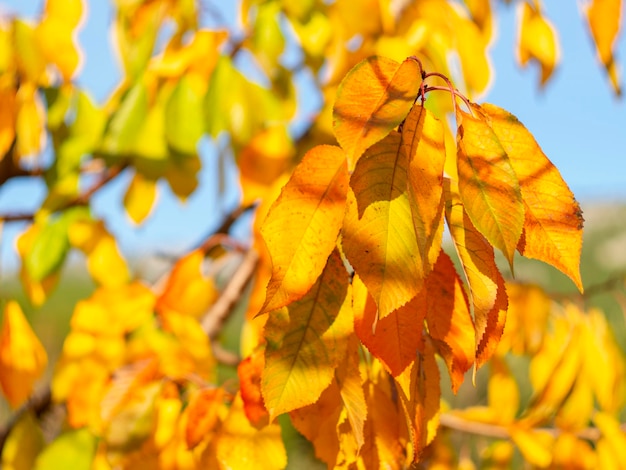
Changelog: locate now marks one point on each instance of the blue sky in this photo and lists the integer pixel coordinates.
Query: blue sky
(578, 122)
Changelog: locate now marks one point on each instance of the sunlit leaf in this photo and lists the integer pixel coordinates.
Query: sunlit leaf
(423, 138)
(488, 185)
(8, 113)
(30, 60)
(486, 285)
(203, 414)
(394, 339)
(184, 116)
(302, 226)
(249, 372)
(537, 40)
(22, 356)
(306, 341)
(351, 389)
(48, 250)
(129, 116)
(420, 392)
(242, 446)
(449, 322)
(553, 220)
(378, 234)
(140, 197)
(534, 445)
(373, 98)
(604, 18)
(503, 393)
(72, 449)
(30, 121)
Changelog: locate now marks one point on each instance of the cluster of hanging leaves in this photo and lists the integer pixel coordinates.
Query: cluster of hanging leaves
(356, 317)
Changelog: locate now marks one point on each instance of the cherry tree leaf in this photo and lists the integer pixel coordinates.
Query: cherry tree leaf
(378, 234)
(306, 341)
(301, 227)
(488, 185)
(373, 98)
(394, 339)
(604, 19)
(553, 220)
(537, 41)
(449, 322)
(423, 139)
(486, 284)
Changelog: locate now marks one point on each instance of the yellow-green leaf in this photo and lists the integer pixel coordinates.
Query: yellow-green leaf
(306, 341)
(488, 185)
(73, 449)
(23, 444)
(378, 235)
(302, 226)
(604, 18)
(553, 220)
(184, 116)
(373, 98)
(140, 197)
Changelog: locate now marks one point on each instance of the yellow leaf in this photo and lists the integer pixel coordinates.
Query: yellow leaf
(613, 436)
(486, 285)
(395, 339)
(502, 390)
(420, 393)
(140, 197)
(188, 290)
(56, 35)
(203, 414)
(30, 121)
(488, 185)
(22, 356)
(7, 118)
(535, 446)
(168, 408)
(373, 98)
(378, 234)
(306, 341)
(604, 18)
(571, 452)
(302, 226)
(423, 139)
(537, 41)
(449, 322)
(553, 220)
(23, 444)
(242, 446)
(471, 47)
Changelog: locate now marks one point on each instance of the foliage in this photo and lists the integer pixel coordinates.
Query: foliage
(354, 317)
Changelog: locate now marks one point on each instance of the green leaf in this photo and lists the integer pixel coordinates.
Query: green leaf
(48, 251)
(184, 118)
(72, 449)
(126, 122)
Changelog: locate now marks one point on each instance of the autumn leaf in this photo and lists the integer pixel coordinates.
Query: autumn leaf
(22, 356)
(488, 185)
(553, 219)
(249, 372)
(373, 98)
(537, 41)
(448, 318)
(140, 197)
(486, 285)
(394, 339)
(203, 414)
(604, 19)
(423, 139)
(502, 390)
(22, 445)
(378, 234)
(306, 341)
(302, 226)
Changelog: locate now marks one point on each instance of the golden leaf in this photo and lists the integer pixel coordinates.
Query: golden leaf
(488, 185)
(203, 414)
(22, 357)
(140, 197)
(535, 446)
(302, 226)
(249, 372)
(604, 19)
(306, 341)
(537, 41)
(503, 393)
(378, 234)
(553, 220)
(373, 98)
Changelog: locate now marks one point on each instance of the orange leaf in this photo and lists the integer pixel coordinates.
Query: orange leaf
(486, 284)
(449, 320)
(604, 18)
(22, 357)
(187, 290)
(420, 393)
(244, 447)
(553, 220)
(301, 227)
(306, 341)
(249, 371)
(537, 41)
(395, 339)
(488, 186)
(423, 140)
(203, 414)
(373, 98)
(378, 235)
